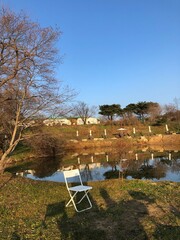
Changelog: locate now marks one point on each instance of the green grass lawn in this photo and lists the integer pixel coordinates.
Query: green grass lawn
(122, 209)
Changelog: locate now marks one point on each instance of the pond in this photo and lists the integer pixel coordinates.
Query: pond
(155, 166)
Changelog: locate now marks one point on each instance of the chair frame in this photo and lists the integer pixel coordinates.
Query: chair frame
(73, 191)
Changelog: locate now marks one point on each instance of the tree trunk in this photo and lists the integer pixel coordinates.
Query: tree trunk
(2, 165)
(4, 161)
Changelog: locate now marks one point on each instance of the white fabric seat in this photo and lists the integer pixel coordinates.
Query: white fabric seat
(73, 191)
(80, 188)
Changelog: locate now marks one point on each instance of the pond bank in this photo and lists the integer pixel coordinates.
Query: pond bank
(156, 141)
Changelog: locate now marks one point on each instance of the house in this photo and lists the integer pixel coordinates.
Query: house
(57, 121)
(89, 120)
(71, 121)
(92, 120)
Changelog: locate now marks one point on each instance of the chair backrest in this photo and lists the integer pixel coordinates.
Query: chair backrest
(70, 174)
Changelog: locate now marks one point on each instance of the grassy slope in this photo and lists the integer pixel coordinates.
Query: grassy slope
(67, 133)
(121, 210)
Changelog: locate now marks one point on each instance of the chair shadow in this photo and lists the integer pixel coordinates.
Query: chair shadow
(78, 226)
(81, 225)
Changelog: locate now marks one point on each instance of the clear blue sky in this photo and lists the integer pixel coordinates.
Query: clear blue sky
(115, 51)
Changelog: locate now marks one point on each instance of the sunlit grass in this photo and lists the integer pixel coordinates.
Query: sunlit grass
(121, 210)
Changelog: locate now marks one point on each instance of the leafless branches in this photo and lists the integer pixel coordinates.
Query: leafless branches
(28, 86)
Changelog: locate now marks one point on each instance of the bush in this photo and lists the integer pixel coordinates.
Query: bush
(45, 144)
(160, 121)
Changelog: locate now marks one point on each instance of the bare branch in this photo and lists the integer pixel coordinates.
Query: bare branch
(28, 85)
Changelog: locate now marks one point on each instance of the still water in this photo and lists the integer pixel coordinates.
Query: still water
(155, 166)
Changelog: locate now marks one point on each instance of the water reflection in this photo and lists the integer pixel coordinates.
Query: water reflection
(99, 166)
(45, 167)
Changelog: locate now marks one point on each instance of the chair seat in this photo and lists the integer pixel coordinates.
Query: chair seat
(80, 188)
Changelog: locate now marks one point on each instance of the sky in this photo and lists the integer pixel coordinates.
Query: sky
(114, 51)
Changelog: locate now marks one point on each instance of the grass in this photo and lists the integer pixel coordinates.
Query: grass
(124, 210)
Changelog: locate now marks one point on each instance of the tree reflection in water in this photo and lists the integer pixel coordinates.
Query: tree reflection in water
(45, 167)
(86, 173)
(154, 166)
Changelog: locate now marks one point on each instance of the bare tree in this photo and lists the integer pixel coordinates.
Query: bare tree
(82, 110)
(169, 108)
(172, 113)
(169, 111)
(28, 86)
(154, 111)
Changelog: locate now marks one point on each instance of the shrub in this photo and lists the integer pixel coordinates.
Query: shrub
(47, 145)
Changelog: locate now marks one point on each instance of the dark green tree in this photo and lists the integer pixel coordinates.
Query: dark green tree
(141, 109)
(110, 110)
(129, 109)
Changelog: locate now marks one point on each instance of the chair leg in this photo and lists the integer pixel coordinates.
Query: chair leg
(74, 204)
(71, 199)
(85, 195)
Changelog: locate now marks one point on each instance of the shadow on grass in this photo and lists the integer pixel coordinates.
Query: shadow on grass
(125, 217)
(55, 209)
(15, 236)
(81, 225)
(114, 220)
(166, 232)
(7, 180)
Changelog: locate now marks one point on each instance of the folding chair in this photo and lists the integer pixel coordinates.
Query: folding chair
(73, 191)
